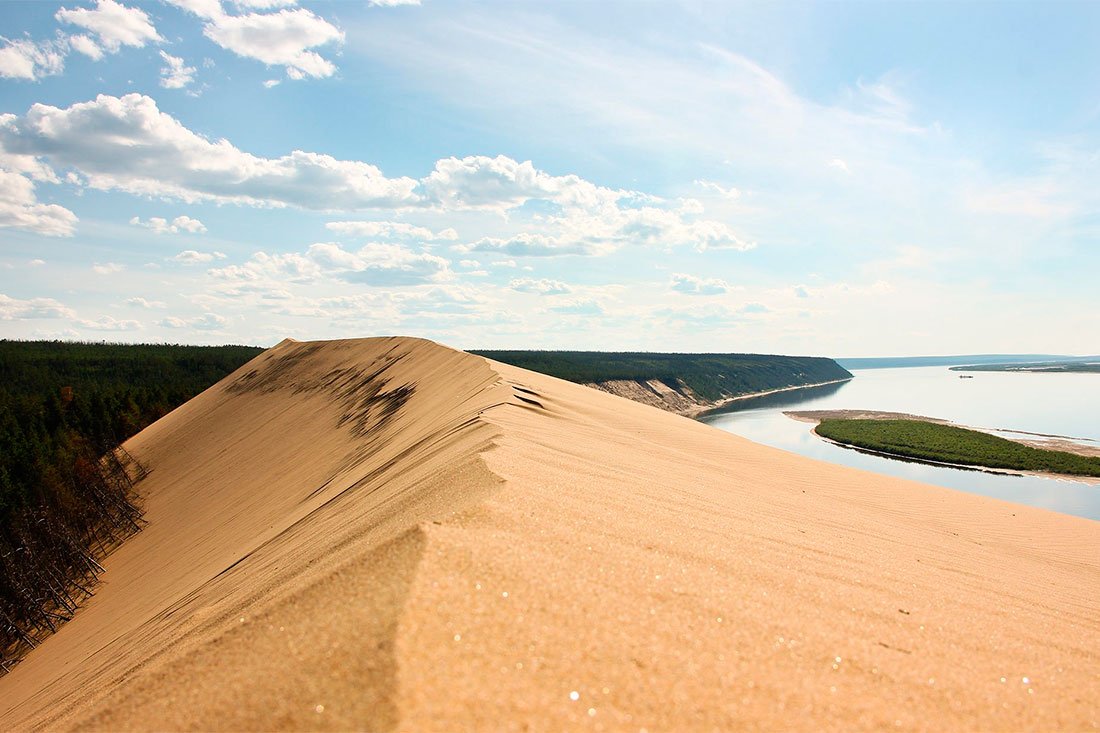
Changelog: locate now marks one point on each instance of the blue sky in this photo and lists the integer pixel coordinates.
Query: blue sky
(838, 178)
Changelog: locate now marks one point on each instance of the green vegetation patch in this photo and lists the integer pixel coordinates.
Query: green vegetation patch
(710, 376)
(947, 443)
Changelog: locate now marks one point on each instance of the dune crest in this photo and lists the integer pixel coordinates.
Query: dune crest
(388, 534)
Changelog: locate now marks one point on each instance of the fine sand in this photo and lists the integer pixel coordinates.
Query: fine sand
(387, 534)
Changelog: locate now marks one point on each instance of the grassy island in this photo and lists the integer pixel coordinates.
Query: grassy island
(949, 444)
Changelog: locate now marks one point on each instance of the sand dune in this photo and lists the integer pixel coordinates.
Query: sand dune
(387, 534)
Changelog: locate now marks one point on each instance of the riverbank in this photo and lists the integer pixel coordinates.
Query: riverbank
(719, 404)
(656, 393)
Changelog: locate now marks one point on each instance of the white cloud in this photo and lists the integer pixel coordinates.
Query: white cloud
(392, 3)
(579, 307)
(30, 60)
(85, 45)
(107, 268)
(12, 309)
(114, 24)
(176, 74)
(205, 322)
(373, 264)
(187, 224)
(500, 183)
(36, 262)
(271, 83)
(380, 264)
(201, 8)
(692, 285)
(840, 165)
(541, 286)
(264, 4)
(724, 192)
(108, 323)
(192, 257)
(149, 153)
(145, 304)
(389, 229)
(160, 225)
(533, 245)
(19, 208)
(278, 39)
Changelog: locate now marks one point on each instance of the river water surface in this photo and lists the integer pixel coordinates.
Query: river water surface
(1059, 404)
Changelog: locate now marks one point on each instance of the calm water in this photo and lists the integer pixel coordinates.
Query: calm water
(1062, 404)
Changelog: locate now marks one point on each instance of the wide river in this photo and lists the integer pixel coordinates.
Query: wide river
(1059, 404)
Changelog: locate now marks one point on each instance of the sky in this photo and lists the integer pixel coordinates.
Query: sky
(840, 179)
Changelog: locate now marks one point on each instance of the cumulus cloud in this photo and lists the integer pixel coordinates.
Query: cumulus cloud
(392, 3)
(175, 74)
(113, 24)
(160, 225)
(145, 304)
(107, 268)
(380, 264)
(12, 309)
(500, 183)
(149, 153)
(19, 208)
(201, 8)
(692, 285)
(541, 286)
(193, 257)
(285, 38)
(373, 264)
(31, 60)
(264, 4)
(389, 230)
(526, 244)
(205, 322)
(85, 45)
(108, 323)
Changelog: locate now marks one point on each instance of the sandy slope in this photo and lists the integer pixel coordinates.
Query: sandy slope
(388, 534)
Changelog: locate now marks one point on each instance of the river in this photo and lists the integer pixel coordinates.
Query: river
(1059, 404)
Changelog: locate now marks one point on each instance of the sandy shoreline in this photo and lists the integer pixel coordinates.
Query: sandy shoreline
(390, 535)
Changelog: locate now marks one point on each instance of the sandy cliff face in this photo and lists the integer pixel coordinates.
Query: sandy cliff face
(387, 534)
(655, 393)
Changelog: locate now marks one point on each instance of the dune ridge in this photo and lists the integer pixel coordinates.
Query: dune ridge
(387, 534)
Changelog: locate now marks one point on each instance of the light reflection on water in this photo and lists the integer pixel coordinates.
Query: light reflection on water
(1061, 404)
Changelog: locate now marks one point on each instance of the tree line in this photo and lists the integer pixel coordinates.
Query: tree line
(66, 484)
(709, 376)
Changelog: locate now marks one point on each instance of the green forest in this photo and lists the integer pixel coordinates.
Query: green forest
(937, 442)
(710, 376)
(66, 489)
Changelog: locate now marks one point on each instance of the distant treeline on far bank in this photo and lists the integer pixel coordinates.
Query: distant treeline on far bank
(711, 377)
